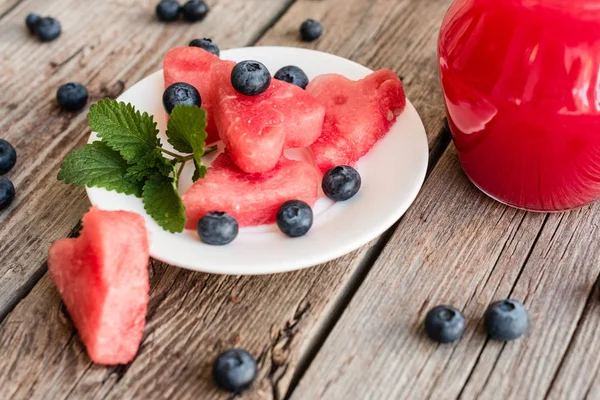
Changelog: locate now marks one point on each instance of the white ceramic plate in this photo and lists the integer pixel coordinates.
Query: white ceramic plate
(392, 174)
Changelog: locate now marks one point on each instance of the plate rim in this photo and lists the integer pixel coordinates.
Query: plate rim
(313, 259)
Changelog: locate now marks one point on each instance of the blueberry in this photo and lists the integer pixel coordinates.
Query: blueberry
(445, 324)
(292, 74)
(341, 183)
(48, 29)
(295, 218)
(8, 157)
(195, 10)
(7, 192)
(72, 96)
(180, 94)
(207, 45)
(235, 370)
(31, 21)
(506, 320)
(250, 78)
(217, 228)
(310, 30)
(167, 10)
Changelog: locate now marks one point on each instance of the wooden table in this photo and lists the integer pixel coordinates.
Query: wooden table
(349, 329)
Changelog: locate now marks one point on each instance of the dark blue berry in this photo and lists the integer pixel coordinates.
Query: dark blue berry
(292, 74)
(72, 96)
(195, 10)
(506, 320)
(445, 324)
(250, 78)
(48, 29)
(207, 45)
(7, 192)
(341, 183)
(180, 93)
(311, 30)
(31, 21)
(217, 228)
(295, 218)
(235, 370)
(167, 10)
(8, 157)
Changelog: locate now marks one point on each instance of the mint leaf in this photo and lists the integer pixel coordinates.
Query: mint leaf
(163, 203)
(124, 129)
(98, 165)
(200, 171)
(186, 131)
(151, 164)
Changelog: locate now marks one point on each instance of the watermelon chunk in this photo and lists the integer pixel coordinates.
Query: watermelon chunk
(359, 113)
(252, 199)
(256, 129)
(193, 65)
(102, 278)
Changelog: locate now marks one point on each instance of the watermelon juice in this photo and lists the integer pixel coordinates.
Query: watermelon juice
(521, 83)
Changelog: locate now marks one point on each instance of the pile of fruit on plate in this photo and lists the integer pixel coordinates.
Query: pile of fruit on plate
(102, 275)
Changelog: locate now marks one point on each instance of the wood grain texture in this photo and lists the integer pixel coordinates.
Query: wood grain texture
(193, 316)
(579, 374)
(107, 46)
(456, 246)
(555, 285)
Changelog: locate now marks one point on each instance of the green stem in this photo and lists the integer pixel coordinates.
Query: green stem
(180, 171)
(177, 156)
(210, 149)
(186, 158)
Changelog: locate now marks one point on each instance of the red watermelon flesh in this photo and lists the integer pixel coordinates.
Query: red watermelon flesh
(359, 113)
(256, 129)
(102, 278)
(252, 199)
(193, 65)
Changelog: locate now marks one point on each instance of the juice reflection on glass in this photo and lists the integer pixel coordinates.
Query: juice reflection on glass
(521, 82)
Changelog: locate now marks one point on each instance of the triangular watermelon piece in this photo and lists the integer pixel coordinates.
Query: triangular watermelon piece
(256, 129)
(252, 199)
(192, 65)
(359, 113)
(102, 278)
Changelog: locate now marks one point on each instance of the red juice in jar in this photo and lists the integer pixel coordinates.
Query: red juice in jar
(521, 83)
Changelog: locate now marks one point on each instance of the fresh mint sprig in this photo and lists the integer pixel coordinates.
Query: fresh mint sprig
(130, 159)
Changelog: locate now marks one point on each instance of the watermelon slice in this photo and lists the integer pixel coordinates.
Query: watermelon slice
(252, 199)
(102, 277)
(193, 65)
(359, 113)
(256, 129)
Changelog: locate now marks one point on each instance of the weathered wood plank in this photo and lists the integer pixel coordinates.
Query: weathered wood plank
(578, 376)
(454, 246)
(555, 284)
(7, 6)
(192, 316)
(108, 46)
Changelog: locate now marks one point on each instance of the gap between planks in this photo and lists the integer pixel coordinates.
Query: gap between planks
(10, 9)
(514, 284)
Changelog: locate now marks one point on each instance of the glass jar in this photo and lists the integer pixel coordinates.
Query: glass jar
(521, 84)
